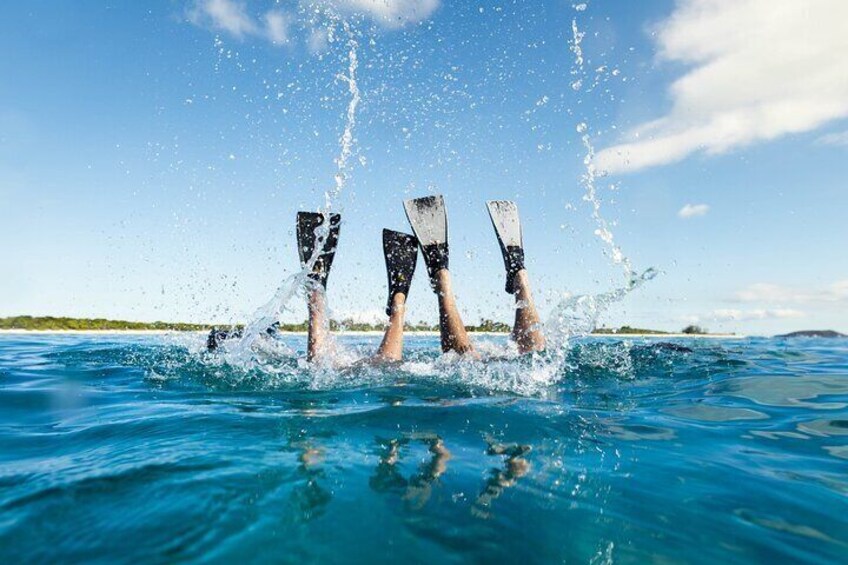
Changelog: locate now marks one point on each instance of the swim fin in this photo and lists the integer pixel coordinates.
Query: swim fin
(217, 337)
(429, 221)
(401, 253)
(307, 223)
(504, 214)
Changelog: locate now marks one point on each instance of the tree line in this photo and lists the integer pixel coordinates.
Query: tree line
(48, 323)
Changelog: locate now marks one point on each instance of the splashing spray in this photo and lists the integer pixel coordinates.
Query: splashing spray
(242, 352)
(578, 315)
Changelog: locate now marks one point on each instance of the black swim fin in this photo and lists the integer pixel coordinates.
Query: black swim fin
(429, 221)
(217, 337)
(504, 214)
(401, 253)
(307, 223)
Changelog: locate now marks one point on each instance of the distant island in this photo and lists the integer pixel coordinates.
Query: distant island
(53, 323)
(813, 333)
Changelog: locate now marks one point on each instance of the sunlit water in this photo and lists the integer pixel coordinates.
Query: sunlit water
(140, 448)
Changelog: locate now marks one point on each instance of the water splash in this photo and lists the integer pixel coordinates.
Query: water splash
(602, 229)
(574, 316)
(243, 352)
(347, 140)
(577, 316)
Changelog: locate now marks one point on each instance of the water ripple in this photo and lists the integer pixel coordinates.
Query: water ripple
(140, 448)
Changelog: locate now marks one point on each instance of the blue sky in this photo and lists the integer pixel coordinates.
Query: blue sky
(153, 155)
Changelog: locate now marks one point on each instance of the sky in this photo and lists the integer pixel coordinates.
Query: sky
(153, 155)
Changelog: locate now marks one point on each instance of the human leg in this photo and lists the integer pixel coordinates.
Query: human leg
(526, 331)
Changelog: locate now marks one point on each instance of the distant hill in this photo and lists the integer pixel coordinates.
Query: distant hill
(813, 333)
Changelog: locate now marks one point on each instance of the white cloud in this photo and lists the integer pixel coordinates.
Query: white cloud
(773, 293)
(759, 69)
(693, 211)
(389, 13)
(318, 41)
(233, 17)
(730, 314)
(277, 25)
(838, 138)
(224, 15)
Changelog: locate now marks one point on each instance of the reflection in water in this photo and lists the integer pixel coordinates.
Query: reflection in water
(418, 489)
(779, 524)
(514, 467)
(825, 427)
(708, 413)
(309, 498)
(787, 391)
(638, 432)
(840, 451)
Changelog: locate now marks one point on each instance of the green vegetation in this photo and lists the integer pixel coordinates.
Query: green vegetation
(51, 323)
(627, 330)
(491, 326)
(693, 330)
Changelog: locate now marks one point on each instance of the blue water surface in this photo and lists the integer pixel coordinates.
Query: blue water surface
(129, 448)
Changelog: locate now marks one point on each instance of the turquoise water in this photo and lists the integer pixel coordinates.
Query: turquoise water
(142, 448)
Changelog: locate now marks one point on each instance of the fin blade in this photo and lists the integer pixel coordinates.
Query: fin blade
(505, 219)
(400, 251)
(307, 224)
(428, 219)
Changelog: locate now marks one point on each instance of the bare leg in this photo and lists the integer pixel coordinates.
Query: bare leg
(318, 328)
(391, 349)
(527, 331)
(454, 336)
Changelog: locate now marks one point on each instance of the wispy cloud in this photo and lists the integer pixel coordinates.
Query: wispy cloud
(693, 211)
(318, 41)
(277, 25)
(837, 138)
(759, 70)
(736, 315)
(389, 13)
(777, 294)
(224, 15)
(235, 17)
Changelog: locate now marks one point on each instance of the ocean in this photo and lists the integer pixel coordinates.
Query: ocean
(122, 448)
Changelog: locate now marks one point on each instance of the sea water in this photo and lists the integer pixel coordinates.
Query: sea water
(126, 449)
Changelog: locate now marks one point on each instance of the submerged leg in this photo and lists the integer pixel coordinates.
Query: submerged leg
(454, 336)
(526, 331)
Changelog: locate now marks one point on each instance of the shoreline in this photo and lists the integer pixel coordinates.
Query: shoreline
(355, 333)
